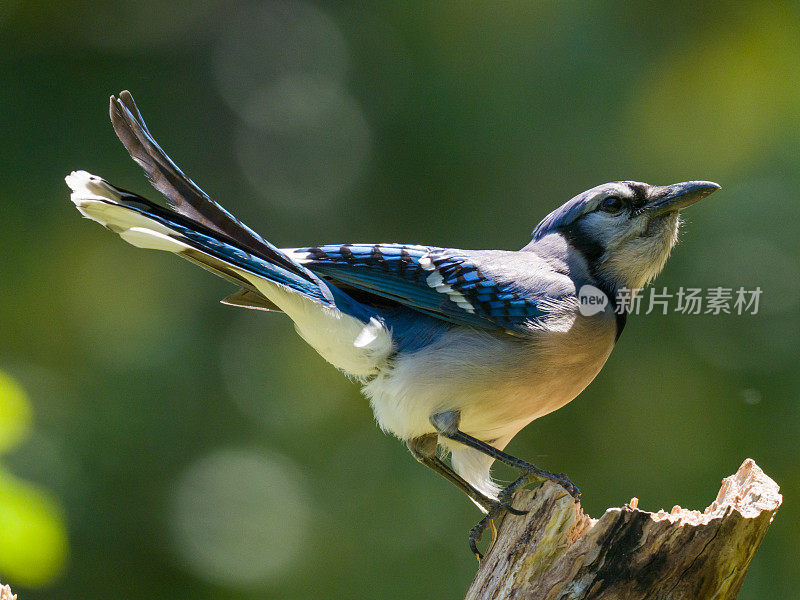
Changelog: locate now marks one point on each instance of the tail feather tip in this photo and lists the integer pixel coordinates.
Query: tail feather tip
(86, 187)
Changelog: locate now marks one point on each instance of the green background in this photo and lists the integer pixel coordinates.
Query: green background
(157, 444)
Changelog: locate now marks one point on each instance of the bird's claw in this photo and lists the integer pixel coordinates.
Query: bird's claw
(564, 481)
(514, 511)
(496, 510)
(540, 475)
(571, 488)
(506, 496)
(476, 532)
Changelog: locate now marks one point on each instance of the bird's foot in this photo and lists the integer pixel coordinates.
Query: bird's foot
(476, 533)
(503, 504)
(532, 474)
(493, 511)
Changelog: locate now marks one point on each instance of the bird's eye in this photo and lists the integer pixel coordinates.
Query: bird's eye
(612, 204)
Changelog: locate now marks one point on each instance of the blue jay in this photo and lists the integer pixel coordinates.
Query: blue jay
(456, 349)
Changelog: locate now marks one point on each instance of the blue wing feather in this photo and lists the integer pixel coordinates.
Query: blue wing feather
(447, 284)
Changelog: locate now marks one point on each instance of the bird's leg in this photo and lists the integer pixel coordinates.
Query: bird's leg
(424, 450)
(447, 423)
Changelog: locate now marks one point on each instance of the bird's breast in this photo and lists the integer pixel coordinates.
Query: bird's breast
(498, 382)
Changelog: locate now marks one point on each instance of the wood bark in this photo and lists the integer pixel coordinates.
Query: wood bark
(556, 552)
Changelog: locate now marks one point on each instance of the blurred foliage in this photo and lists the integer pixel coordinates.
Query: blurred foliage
(33, 539)
(15, 413)
(431, 122)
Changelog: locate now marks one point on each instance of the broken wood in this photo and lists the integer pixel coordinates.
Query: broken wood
(558, 552)
(5, 593)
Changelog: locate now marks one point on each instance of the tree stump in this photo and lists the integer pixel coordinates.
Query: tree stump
(558, 552)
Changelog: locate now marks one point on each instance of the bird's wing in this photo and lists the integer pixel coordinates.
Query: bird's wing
(452, 285)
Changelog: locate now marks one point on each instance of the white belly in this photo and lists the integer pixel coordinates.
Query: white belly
(498, 382)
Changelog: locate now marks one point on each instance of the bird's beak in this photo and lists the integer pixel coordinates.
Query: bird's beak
(675, 197)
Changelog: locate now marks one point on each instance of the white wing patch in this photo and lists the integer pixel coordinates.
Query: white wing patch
(436, 281)
(300, 257)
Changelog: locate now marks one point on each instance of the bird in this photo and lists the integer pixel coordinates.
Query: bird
(457, 350)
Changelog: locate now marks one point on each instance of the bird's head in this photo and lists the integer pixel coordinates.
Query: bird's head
(626, 229)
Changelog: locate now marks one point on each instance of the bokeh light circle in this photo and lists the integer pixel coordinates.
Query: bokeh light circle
(259, 44)
(303, 139)
(305, 143)
(240, 517)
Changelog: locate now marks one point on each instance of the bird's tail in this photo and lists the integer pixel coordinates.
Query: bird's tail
(146, 224)
(201, 231)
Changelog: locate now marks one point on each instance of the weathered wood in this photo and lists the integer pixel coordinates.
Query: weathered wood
(557, 552)
(5, 593)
